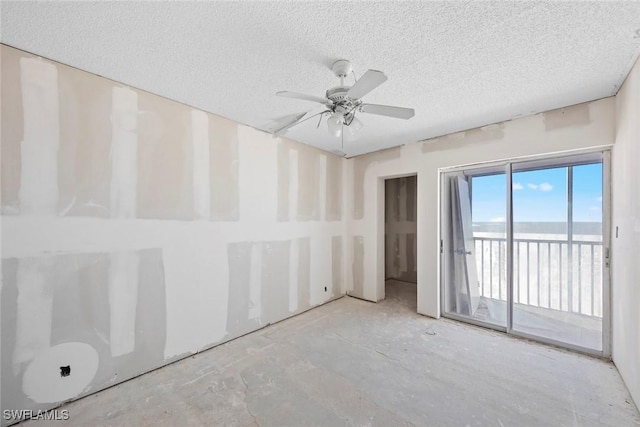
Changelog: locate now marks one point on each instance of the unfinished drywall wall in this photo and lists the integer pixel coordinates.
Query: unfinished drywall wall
(564, 130)
(137, 230)
(625, 234)
(400, 229)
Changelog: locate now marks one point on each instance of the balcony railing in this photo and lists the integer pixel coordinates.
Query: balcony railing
(554, 274)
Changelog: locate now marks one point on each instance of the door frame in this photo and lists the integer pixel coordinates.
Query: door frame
(380, 232)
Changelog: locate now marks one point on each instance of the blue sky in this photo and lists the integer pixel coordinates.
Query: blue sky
(540, 195)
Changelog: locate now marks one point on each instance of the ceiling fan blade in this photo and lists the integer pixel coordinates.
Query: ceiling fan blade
(302, 117)
(296, 95)
(289, 124)
(368, 82)
(387, 110)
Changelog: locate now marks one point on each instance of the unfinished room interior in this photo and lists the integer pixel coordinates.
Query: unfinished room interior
(287, 213)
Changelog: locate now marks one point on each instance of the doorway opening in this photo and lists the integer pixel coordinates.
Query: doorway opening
(525, 249)
(400, 240)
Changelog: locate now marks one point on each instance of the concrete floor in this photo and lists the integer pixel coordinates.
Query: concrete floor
(352, 362)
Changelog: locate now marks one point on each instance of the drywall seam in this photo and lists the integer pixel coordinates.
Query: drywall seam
(195, 258)
(123, 300)
(201, 178)
(320, 266)
(357, 265)
(293, 275)
(293, 185)
(41, 137)
(323, 187)
(34, 310)
(124, 153)
(224, 169)
(563, 117)
(258, 178)
(336, 265)
(255, 282)
(304, 272)
(402, 255)
(283, 181)
(402, 201)
(334, 188)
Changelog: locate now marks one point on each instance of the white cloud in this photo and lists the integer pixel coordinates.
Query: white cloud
(599, 199)
(595, 208)
(517, 186)
(498, 219)
(545, 186)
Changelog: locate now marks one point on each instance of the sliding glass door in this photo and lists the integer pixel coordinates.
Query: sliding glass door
(523, 249)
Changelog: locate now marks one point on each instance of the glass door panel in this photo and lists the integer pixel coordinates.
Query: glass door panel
(474, 246)
(557, 253)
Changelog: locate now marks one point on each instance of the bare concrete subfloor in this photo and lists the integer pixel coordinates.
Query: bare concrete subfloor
(352, 362)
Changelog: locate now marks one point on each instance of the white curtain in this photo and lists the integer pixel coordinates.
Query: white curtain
(465, 281)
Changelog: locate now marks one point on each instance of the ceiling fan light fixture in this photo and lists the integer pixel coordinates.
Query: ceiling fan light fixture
(353, 129)
(334, 123)
(355, 126)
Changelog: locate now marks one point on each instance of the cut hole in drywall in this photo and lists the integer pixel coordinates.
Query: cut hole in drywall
(65, 371)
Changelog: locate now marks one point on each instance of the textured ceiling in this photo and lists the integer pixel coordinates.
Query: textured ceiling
(459, 64)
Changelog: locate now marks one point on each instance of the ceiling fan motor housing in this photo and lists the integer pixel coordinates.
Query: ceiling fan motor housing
(341, 103)
(338, 94)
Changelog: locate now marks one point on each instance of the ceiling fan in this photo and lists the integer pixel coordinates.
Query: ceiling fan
(342, 103)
